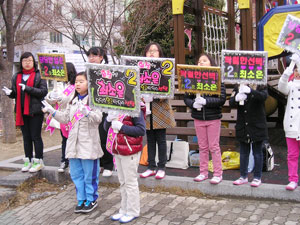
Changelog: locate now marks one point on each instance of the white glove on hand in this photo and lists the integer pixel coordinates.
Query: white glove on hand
(147, 98)
(288, 71)
(22, 86)
(197, 105)
(47, 107)
(54, 95)
(201, 100)
(244, 89)
(7, 90)
(84, 110)
(116, 125)
(240, 97)
(112, 115)
(296, 58)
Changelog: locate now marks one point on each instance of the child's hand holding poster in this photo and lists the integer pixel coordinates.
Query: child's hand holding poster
(156, 75)
(114, 88)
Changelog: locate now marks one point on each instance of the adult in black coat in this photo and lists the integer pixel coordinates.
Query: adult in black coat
(251, 128)
(29, 90)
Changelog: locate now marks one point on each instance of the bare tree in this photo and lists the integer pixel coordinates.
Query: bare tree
(17, 30)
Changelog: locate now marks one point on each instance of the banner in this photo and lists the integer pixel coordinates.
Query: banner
(114, 87)
(289, 37)
(244, 66)
(53, 66)
(156, 75)
(198, 79)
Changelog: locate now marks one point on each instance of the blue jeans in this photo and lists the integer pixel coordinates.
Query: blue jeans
(244, 158)
(85, 175)
(157, 136)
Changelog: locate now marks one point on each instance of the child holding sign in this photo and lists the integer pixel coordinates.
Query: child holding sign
(126, 145)
(161, 117)
(251, 128)
(61, 98)
(207, 113)
(289, 84)
(83, 145)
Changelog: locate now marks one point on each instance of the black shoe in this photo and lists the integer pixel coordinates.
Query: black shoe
(89, 206)
(79, 207)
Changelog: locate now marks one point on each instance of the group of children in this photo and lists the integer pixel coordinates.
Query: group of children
(84, 141)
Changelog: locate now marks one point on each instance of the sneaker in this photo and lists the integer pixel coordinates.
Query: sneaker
(27, 165)
(79, 207)
(107, 173)
(200, 178)
(240, 181)
(291, 186)
(37, 165)
(116, 217)
(126, 219)
(89, 206)
(160, 174)
(255, 183)
(62, 167)
(147, 173)
(216, 180)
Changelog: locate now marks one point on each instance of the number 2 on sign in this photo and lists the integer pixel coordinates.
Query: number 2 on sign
(168, 66)
(132, 76)
(290, 37)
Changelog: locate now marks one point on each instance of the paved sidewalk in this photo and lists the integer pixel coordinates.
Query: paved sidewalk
(156, 208)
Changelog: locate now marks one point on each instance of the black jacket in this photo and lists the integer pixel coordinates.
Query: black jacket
(213, 108)
(251, 124)
(37, 93)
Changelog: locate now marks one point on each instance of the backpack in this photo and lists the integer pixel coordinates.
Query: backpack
(268, 156)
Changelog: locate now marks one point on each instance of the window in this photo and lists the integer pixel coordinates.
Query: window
(79, 39)
(55, 37)
(77, 14)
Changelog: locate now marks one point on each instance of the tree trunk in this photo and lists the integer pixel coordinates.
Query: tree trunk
(9, 134)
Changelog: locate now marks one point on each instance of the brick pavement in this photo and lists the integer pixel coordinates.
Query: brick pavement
(156, 208)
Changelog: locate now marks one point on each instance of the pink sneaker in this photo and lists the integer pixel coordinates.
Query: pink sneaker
(160, 174)
(240, 181)
(255, 183)
(200, 178)
(147, 173)
(291, 186)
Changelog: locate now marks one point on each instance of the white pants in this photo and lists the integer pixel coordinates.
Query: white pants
(129, 186)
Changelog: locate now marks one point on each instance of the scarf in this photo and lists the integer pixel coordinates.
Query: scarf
(30, 82)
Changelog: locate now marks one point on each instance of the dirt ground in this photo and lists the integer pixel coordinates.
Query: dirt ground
(8, 151)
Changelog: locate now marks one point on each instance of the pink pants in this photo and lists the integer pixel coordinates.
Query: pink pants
(208, 134)
(292, 158)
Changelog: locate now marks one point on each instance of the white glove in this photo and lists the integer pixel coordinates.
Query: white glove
(47, 107)
(54, 95)
(116, 125)
(296, 58)
(197, 105)
(147, 98)
(112, 115)
(22, 86)
(288, 71)
(84, 110)
(240, 97)
(7, 90)
(201, 100)
(244, 89)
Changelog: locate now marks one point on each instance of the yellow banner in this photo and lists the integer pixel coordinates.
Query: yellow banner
(177, 6)
(244, 4)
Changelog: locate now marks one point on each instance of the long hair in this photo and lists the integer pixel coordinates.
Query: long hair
(98, 51)
(24, 56)
(71, 72)
(210, 58)
(146, 49)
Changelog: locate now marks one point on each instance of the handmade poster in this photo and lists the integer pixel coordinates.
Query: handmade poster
(198, 79)
(53, 66)
(289, 37)
(244, 67)
(156, 75)
(114, 87)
